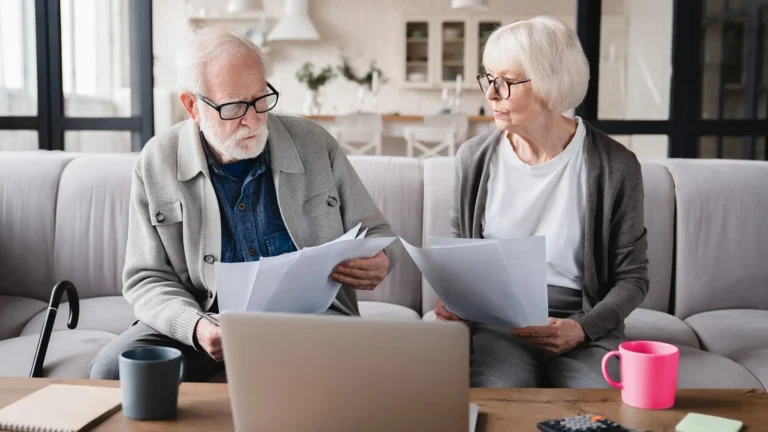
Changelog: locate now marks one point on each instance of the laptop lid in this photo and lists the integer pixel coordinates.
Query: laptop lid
(332, 373)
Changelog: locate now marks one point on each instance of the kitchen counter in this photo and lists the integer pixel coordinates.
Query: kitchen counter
(401, 118)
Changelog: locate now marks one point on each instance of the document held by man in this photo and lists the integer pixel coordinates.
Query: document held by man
(296, 282)
(494, 282)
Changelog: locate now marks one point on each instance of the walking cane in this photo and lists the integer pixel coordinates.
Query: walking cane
(45, 334)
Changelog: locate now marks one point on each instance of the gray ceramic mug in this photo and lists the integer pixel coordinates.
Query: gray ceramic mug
(150, 379)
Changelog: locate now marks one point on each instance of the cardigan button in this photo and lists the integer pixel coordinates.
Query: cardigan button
(332, 201)
(210, 293)
(209, 259)
(159, 217)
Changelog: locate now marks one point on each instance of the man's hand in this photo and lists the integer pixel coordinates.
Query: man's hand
(209, 337)
(559, 336)
(364, 273)
(443, 314)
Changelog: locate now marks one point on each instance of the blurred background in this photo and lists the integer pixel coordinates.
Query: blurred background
(670, 78)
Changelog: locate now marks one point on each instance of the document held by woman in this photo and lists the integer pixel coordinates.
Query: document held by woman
(493, 282)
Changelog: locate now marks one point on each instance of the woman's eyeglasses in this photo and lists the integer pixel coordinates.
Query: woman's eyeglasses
(236, 110)
(500, 85)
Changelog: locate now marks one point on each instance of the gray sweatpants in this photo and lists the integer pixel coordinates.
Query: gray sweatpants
(500, 360)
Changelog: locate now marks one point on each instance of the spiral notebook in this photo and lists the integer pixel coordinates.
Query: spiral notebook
(59, 407)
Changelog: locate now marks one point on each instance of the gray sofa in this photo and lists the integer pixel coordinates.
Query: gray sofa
(64, 217)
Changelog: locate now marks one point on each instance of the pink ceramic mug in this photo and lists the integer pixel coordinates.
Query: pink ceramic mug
(648, 373)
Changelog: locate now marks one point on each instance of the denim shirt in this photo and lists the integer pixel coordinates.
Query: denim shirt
(251, 224)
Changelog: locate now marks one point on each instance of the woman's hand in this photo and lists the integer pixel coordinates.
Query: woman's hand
(444, 314)
(559, 336)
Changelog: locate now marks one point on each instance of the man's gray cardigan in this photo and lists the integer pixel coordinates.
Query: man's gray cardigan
(174, 235)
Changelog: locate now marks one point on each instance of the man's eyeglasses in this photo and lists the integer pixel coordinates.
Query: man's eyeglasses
(236, 110)
(500, 85)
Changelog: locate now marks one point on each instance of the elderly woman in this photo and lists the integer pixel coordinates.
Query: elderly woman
(544, 173)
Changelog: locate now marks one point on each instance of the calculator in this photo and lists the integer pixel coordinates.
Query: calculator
(582, 423)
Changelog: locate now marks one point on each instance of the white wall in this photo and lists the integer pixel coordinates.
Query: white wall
(363, 30)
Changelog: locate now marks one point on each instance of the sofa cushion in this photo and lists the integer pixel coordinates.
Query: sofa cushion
(110, 314)
(646, 324)
(387, 311)
(15, 313)
(731, 332)
(69, 353)
(395, 184)
(702, 369)
(28, 185)
(722, 238)
(92, 223)
(755, 362)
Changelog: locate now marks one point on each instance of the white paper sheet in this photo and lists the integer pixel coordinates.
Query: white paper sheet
(498, 283)
(272, 270)
(234, 282)
(296, 282)
(307, 288)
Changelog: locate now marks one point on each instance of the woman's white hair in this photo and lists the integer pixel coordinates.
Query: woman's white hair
(549, 54)
(210, 45)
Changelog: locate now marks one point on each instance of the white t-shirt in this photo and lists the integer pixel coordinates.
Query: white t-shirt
(542, 200)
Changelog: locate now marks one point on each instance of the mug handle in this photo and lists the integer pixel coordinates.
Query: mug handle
(182, 370)
(607, 377)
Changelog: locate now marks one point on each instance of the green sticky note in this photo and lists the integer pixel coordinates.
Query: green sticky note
(706, 423)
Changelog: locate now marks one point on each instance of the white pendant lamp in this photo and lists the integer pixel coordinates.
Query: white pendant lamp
(477, 4)
(234, 6)
(295, 24)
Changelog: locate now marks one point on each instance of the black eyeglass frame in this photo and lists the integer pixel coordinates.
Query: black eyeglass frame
(250, 104)
(496, 87)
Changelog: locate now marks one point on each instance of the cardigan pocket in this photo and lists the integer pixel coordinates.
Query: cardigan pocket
(165, 214)
(322, 202)
(324, 210)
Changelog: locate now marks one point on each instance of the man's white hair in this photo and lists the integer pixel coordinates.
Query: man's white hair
(210, 45)
(549, 54)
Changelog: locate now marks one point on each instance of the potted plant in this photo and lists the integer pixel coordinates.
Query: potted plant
(371, 80)
(313, 81)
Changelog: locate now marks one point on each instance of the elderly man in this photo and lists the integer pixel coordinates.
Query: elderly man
(232, 184)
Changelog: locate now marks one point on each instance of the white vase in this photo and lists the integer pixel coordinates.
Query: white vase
(312, 103)
(361, 99)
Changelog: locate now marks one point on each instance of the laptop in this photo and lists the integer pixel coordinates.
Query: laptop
(291, 372)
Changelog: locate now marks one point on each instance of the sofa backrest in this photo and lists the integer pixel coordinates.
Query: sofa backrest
(396, 186)
(92, 223)
(659, 220)
(722, 235)
(29, 182)
(438, 200)
(659, 215)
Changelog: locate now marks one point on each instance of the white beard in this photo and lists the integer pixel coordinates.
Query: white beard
(227, 144)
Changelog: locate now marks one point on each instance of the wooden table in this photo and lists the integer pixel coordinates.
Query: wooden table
(206, 407)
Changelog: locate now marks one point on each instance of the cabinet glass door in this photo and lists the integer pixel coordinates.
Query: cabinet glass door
(453, 50)
(417, 52)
